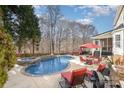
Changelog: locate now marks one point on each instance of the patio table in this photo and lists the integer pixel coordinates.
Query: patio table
(89, 61)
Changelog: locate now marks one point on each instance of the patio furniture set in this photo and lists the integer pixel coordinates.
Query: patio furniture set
(100, 78)
(90, 60)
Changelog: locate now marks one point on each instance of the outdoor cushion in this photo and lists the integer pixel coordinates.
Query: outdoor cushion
(82, 59)
(79, 71)
(67, 76)
(101, 67)
(89, 73)
(91, 56)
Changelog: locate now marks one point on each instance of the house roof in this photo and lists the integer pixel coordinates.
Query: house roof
(103, 33)
(120, 26)
(107, 34)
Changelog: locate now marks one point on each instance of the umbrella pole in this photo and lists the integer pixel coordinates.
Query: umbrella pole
(92, 52)
(100, 52)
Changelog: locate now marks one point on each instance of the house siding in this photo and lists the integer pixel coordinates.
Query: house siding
(118, 51)
(118, 59)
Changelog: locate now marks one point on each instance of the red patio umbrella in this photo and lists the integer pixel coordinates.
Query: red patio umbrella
(90, 45)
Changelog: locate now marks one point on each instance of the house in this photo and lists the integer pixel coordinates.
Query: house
(113, 40)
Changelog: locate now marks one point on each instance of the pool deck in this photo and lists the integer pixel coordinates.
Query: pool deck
(18, 80)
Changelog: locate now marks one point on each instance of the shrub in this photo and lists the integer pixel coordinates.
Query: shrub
(7, 55)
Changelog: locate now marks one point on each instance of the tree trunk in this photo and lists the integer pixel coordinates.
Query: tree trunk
(19, 49)
(52, 48)
(59, 46)
(52, 40)
(33, 45)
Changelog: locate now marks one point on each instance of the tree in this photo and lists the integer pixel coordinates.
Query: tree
(29, 26)
(22, 24)
(28, 29)
(7, 52)
(11, 23)
(87, 30)
(45, 30)
(54, 15)
(9, 19)
(61, 35)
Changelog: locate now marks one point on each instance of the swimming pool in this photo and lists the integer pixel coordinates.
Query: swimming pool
(48, 66)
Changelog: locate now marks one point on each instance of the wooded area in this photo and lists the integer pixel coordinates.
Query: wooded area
(60, 35)
(50, 33)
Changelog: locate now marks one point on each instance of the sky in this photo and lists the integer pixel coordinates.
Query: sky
(101, 16)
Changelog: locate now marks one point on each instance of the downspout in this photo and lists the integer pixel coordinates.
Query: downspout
(123, 45)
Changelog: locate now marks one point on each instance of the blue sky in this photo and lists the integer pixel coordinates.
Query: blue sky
(101, 17)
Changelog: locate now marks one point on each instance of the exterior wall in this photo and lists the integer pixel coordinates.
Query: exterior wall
(118, 59)
(118, 51)
(119, 16)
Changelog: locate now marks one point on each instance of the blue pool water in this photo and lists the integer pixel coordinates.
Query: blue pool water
(26, 59)
(48, 66)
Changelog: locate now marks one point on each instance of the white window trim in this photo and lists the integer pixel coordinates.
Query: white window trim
(117, 43)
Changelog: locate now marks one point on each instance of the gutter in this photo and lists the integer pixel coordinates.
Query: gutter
(123, 45)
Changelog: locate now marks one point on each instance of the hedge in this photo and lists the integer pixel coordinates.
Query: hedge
(7, 55)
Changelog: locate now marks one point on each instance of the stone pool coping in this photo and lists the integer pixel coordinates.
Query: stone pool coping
(34, 60)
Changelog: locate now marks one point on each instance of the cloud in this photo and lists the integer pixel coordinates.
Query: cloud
(94, 11)
(85, 21)
(99, 10)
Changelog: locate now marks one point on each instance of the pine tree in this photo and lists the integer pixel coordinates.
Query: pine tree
(22, 24)
(28, 26)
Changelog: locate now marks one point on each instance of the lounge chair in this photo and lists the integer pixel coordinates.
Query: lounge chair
(100, 77)
(101, 67)
(82, 59)
(91, 56)
(97, 61)
(74, 78)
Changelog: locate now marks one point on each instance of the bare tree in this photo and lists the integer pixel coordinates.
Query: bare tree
(53, 15)
(87, 30)
(63, 36)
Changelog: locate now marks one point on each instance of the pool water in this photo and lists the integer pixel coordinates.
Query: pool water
(26, 59)
(48, 66)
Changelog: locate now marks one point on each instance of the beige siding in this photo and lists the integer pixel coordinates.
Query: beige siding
(118, 60)
(118, 51)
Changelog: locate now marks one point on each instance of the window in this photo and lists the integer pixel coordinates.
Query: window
(117, 41)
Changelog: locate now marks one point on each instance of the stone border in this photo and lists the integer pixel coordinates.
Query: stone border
(29, 62)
